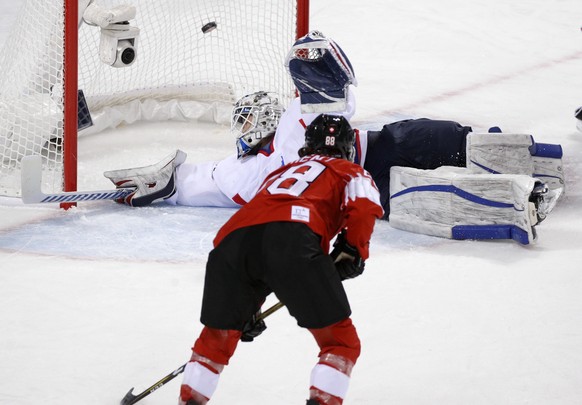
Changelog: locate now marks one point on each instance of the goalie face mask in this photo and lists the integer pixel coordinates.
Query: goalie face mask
(254, 117)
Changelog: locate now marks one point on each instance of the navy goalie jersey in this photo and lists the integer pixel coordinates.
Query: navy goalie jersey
(419, 143)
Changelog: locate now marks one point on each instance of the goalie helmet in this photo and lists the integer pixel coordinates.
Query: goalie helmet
(330, 135)
(254, 117)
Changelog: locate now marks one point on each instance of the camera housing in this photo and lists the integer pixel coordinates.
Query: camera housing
(118, 46)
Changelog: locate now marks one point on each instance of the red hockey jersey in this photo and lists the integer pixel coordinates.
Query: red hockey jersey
(326, 193)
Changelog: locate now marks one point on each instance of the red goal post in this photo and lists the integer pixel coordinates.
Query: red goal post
(201, 54)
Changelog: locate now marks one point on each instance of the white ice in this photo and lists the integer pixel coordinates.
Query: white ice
(102, 298)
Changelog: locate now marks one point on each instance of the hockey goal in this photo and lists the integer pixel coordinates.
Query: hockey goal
(190, 58)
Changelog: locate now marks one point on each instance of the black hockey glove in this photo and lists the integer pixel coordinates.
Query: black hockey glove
(346, 257)
(350, 268)
(253, 328)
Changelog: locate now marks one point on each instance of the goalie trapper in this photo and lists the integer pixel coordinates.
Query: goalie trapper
(153, 183)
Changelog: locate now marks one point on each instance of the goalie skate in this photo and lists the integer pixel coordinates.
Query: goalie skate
(153, 183)
(542, 201)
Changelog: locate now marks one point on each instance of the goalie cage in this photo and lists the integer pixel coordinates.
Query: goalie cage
(197, 57)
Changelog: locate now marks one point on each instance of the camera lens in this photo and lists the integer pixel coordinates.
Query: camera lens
(128, 56)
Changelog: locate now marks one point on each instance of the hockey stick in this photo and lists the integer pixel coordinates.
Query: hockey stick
(130, 399)
(31, 179)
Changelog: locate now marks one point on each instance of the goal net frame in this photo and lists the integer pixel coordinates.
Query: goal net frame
(66, 106)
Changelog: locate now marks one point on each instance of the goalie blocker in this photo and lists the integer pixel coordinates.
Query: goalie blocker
(452, 202)
(323, 81)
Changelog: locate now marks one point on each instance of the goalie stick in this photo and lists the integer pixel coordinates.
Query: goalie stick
(130, 399)
(31, 180)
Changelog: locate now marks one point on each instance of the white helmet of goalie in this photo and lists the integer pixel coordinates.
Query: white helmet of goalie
(254, 117)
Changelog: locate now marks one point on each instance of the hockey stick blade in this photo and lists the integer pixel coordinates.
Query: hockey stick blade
(130, 399)
(31, 179)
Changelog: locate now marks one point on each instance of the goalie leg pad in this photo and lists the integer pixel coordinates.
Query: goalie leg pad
(515, 154)
(153, 183)
(500, 153)
(453, 203)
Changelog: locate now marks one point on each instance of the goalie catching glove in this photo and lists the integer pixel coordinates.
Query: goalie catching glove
(346, 258)
(152, 183)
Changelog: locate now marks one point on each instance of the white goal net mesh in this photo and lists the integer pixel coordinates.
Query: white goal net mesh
(175, 61)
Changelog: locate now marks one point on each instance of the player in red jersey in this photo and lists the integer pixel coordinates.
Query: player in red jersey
(278, 243)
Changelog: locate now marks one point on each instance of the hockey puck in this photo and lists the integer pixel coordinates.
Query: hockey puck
(208, 27)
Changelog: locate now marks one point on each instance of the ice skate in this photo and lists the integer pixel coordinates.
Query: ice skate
(542, 201)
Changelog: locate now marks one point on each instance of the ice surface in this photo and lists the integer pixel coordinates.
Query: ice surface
(102, 298)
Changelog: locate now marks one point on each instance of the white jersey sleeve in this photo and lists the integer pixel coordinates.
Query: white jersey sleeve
(239, 179)
(196, 187)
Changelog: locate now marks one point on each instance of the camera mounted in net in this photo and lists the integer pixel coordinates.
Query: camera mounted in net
(118, 46)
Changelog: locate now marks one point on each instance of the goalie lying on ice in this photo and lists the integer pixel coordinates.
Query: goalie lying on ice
(268, 135)
(415, 144)
(430, 197)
